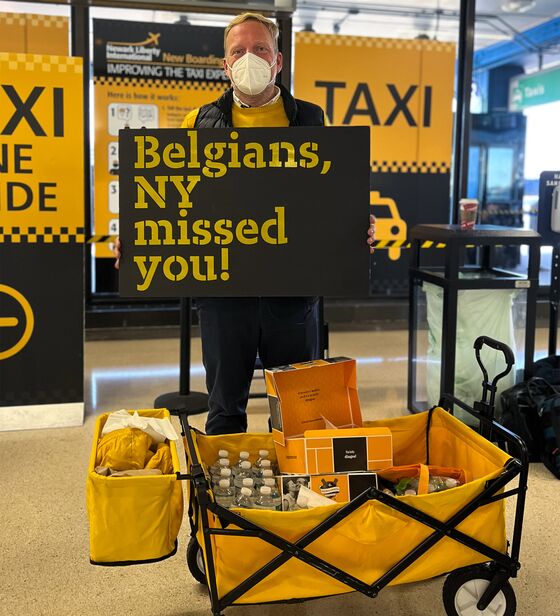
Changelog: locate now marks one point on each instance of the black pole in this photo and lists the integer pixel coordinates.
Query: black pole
(413, 284)
(79, 43)
(533, 268)
(184, 401)
(462, 116)
(554, 299)
(185, 348)
(285, 48)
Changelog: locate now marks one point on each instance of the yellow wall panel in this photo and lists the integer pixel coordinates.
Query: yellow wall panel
(41, 184)
(37, 34)
(401, 88)
(12, 32)
(438, 65)
(47, 34)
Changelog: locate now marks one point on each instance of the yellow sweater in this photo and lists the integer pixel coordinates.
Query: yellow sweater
(250, 117)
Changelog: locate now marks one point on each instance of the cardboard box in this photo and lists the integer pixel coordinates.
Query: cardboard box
(337, 451)
(314, 408)
(358, 449)
(311, 396)
(339, 487)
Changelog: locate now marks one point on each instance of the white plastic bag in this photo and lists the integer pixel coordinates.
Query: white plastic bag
(158, 429)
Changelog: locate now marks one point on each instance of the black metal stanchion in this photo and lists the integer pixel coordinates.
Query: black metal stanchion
(323, 331)
(462, 113)
(184, 401)
(554, 300)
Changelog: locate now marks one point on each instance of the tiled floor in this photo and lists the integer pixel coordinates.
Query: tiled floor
(44, 530)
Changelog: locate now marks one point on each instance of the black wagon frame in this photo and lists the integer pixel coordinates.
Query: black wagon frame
(502, 566)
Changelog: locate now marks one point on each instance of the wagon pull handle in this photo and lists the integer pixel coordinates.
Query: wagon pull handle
(508, 356)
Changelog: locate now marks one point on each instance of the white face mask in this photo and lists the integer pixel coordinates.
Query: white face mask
(251, 74)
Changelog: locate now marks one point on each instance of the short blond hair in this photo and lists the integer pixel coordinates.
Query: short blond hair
(267, 23)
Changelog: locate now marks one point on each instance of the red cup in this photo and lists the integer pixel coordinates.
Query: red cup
(468, 209)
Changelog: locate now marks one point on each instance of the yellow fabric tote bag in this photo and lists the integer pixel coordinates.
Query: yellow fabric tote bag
(133, 520)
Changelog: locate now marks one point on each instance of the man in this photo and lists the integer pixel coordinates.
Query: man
(281, 329)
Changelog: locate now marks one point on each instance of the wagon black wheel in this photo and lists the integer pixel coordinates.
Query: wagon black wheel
(195, 561)
(464, 588)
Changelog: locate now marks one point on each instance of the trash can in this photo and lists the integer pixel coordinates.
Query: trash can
(459, 292)
(477, 312)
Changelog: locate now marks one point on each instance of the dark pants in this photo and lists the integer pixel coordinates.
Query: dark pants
(282, 330)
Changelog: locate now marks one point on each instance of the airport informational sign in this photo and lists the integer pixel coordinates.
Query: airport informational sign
(535, 89)
(145, 75)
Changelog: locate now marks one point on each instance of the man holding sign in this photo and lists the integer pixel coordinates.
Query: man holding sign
(282, 330)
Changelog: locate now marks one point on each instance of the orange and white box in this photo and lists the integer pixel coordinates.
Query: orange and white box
(316, 420)
(354, 449)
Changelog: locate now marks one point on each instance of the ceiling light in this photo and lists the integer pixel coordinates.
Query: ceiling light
(518, 6)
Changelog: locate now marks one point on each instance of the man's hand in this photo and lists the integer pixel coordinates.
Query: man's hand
(117, 252)
(371, 234)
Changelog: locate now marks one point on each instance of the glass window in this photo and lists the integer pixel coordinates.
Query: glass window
(500, 173)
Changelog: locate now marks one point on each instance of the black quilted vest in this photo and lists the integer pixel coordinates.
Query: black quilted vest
(299, 113)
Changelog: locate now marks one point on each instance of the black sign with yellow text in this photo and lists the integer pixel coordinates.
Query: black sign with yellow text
(244, 212)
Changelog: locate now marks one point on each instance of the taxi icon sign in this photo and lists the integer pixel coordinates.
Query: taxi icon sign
(12, 321)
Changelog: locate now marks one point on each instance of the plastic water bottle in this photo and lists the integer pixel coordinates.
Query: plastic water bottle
(223, 494)
(264, 474)
(226, 473)
(265, 465)
(216, 475)
(263, 455)
(243, 499)
(243, 457)
(215, 468)
(274, 493)
(264, 499)
(244, 472)
(250, 483)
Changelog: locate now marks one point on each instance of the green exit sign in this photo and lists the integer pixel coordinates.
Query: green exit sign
(536, 89)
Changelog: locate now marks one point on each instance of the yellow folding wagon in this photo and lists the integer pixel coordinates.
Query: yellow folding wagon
(249, 556)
